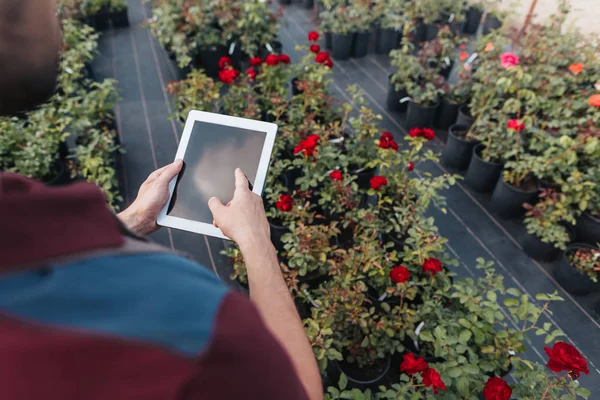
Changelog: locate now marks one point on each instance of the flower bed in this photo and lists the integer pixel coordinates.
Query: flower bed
(368, 269)
(80, 113)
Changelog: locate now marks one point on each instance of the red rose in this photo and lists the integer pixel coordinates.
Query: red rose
(414, 132)
(308, 145)
(410, 166)
(428, 134)
(285, 202)
(328, 63)
(228, 75)
(399, 274)
(313, 36)
(336, 175)
(224, 62)
(284, 59)
(315, 48)
(565, 357)
(377, 182)
(496, 389)
(251, 73)
(322, 57)
(272, 59)
(255, 61)
(432, 379)
(387, 141)
(514, 124)
(508, 60)
(432, 266)
(413, 365)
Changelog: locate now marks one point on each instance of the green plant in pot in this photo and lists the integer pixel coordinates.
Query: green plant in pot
(389, 31)
(350, 24)
(233, 253)
(307, 247)
(257, 26)
(196, 92)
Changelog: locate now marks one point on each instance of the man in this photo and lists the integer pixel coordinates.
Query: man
(91, 310)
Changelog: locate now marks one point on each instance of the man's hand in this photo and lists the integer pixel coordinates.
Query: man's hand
(140, 217)
(243, 219)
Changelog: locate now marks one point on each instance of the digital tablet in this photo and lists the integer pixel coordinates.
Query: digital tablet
(212, 147)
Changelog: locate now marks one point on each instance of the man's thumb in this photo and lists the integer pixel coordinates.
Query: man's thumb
(215, 206)
(170, 172)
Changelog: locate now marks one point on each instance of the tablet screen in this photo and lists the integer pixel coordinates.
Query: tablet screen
(211, 157)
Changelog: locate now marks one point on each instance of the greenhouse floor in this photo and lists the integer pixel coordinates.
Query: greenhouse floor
(143, 69)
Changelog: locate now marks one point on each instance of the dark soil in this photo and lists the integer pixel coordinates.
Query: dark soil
(529, 184)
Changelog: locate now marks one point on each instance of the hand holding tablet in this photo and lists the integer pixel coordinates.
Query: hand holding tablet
(212, 147)
(243, 219)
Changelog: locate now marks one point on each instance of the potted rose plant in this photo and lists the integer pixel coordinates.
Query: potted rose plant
(578, 270)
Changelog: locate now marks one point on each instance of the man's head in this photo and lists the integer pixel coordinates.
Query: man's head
(29, 53)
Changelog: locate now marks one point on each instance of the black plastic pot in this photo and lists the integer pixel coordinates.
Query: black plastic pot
(277, 231)
(464, 116)
(308, 3)
(491, 23)
(458, 151)
(447, 70)
(328, 40)
(570, 278)
(363, 177)
(60, 177)
(208, 59)
(275, 48)
(355, 381)
(120, 19)
(99, 21)
(394, 96)
(482, 175)
(295, 90)
(419, 116)
(341, 46)
(473, 20)
(507, 200)
(313, 279)
(361, 44)
(447, 114)
(588, 229)
(285, 2)
(431, 31)
(386, 40)
(538, 250)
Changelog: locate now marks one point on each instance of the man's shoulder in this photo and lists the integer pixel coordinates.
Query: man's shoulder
(155, 298)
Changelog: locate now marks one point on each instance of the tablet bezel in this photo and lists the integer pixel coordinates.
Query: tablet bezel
(268, 128)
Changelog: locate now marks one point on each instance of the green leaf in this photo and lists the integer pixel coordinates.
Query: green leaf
(465, 336)
(462, 385)
(343, 382)
(365, 342)
(492, 296)
(426, 337)
(510, 302)
(385, 306)
(454, 372)
(471, 369)
(357, 394)
(513, 292)
(542, 297)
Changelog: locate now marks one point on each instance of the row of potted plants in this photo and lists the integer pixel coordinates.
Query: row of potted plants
(96, 13)
(197, 34)
(523, 125)
(348, 23)
(73, 135)
(533, 136)
(368, 269)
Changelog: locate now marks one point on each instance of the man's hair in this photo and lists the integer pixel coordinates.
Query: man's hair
(29, 57)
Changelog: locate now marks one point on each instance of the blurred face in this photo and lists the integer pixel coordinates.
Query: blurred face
(29, 53)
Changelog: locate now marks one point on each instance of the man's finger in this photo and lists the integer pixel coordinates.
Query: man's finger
(170, 172)
(241, 182)
(215, 206)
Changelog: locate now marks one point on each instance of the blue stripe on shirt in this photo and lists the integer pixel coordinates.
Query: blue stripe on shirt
(157, 298)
